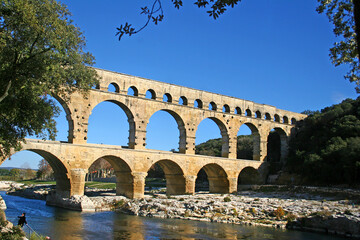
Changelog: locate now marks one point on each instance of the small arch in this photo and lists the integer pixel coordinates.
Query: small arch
(113, 87)
(286, 120)
(226, 108)
(212, 106)
(248, 176)
(244, 150)
(257, 114)
(248, 113)
(167, 98)
(293, 121)
(267, 116)
(216, 177)
(237, 111)
(150, 94)
(133, 91)
(276, 118)
(183, 101)
(198, 103)
(174, 175)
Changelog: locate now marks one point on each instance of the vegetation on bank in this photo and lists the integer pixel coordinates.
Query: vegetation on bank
(325, 147)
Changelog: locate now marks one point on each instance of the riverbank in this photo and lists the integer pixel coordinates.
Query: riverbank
(334, 211)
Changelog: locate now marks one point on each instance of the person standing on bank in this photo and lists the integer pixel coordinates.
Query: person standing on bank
(22, 220)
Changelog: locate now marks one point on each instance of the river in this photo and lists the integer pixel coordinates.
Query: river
(61, 224)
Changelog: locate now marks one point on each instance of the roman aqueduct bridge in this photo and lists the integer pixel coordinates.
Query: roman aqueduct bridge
(71, 160)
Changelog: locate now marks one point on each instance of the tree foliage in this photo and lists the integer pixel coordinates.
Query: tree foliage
(346, 26)
(41, 53)
(325, 147)
(45, 171)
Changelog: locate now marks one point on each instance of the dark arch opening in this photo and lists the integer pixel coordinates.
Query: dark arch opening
(293, 121)
(237, 111)
(150, 94)
(218, 147)
(198, 103)
(113, 87)
(212, 106)
(226, 108)
(285, 120)
(257, 114)
(161, 132)
(248, 113)
(183, 101)
(107, 114)
(166, 173)
(133, 91)
(248, 142)
(212, 178)
(276, 146)
(276, 118)
(167, 98)
(267, 116)
(248, 176)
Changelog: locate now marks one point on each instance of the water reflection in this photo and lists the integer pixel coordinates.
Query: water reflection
(65, 225)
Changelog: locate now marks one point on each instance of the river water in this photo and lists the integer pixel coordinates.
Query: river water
(62, 224)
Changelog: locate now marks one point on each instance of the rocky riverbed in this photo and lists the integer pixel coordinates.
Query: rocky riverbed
(334, 211)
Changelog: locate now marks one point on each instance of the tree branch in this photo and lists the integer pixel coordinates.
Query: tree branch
(6, 93)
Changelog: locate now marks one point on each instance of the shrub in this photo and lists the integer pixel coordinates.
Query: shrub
(291, 217)
(118, 204)
(227, 199)
(181, 199)
(279, 213)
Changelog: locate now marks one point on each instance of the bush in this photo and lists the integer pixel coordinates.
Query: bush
(227, 199)
(279, 213)
(291, 217)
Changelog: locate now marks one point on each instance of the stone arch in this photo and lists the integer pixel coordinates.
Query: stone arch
(248, 176)
(283, 148)
(61, 172)
(256, 140)
(181, 127)
(226, 108)
(198, 103)
(217, 177)
(237, 111)
(258, 114)
(130, 117)
(115, 86)
(123, 173)
(293, 121)
(133, 91)
(248, 113)
(150, 94)
(224, 136)
(267, 116)
(212, 106)
(167, 97)
(183, 101)
(68, 118)
(276, 118)
(286, 120)
(175, 180)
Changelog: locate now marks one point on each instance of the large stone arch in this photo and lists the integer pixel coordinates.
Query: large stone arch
(217, 177)
(174, 174)
(248, 176)
(256, 139)
(181, 127)
(69, 118)
(123, 173)
(283, 142)
(129, 115)
(224, 135)
(61, 172)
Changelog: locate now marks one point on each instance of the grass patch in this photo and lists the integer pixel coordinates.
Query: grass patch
(101, 185)
(33, 181)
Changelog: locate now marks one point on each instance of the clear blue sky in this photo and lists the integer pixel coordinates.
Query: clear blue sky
(273, 52)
